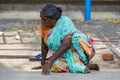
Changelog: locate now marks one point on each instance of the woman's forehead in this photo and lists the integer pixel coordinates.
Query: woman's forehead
(42, 15)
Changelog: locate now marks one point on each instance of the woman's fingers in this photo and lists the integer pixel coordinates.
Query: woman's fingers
(46, 69)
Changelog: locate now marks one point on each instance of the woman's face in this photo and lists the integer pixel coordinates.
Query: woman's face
(47, 22)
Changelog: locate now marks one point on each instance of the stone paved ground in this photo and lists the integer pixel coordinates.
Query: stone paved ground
(6, 73)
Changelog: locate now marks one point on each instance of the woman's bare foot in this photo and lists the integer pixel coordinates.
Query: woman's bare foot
(93, 66)
(87, 70)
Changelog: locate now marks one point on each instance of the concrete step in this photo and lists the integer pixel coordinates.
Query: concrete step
(19, 50)
(31, 18)
(19, 46)
(18, 54)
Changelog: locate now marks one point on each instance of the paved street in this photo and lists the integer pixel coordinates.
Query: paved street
(6, 74)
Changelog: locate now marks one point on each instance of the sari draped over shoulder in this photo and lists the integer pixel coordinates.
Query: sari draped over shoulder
(75, 58)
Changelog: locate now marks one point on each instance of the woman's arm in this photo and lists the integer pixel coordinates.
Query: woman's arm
(66, 43)
(44, 51)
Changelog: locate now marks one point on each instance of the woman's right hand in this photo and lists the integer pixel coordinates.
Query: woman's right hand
(46, 68)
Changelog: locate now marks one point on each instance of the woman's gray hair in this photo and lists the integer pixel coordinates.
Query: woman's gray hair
(52, 11)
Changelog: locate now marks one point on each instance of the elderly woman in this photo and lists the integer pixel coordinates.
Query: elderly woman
(72, 50)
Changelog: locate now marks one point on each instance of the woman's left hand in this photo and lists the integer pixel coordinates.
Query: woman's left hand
(46, 68)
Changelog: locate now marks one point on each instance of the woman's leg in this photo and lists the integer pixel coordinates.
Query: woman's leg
(87, 70)
(93, 66)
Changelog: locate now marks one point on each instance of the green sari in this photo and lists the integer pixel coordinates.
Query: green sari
(74, 59)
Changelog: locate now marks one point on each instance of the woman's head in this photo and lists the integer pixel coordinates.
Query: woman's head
(50, 14)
